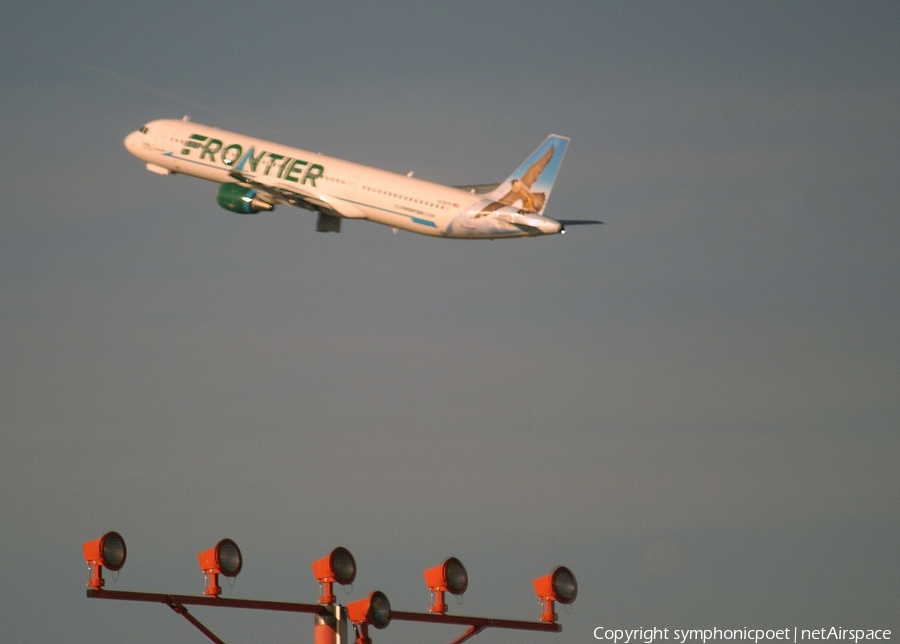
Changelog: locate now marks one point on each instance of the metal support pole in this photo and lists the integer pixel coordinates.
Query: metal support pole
(181, 610)
(472, 632)
(177, 602)
(331, 619)
(326, 626)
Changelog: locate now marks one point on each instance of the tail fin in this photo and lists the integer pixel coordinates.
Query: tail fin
(530, 185)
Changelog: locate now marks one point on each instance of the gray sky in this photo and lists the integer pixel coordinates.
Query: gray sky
(695, 407)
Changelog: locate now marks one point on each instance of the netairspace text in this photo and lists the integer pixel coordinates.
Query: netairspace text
(755, 635)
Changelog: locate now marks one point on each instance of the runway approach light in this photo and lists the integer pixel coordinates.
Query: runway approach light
(450, 577)
(222, 559)
(559, 586)
(106, 552)
(374, 609)
(339, 566)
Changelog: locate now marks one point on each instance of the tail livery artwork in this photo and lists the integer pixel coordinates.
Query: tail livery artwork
(257, 175)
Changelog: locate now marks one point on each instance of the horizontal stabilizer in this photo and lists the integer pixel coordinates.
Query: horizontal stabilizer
(478, 188)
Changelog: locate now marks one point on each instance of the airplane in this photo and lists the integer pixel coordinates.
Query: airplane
(257, 175)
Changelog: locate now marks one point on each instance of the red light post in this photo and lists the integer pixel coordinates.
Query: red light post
(558, 586)
(222, 559)
(374, 609)
(450, 576)
(106, 552)
(339, 566)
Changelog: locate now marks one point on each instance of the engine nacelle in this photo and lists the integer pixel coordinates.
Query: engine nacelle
(245, 201)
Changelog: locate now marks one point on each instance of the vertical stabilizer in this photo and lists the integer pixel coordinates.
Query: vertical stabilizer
(528, 188)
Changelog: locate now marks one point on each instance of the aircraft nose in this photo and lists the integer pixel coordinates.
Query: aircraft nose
(131, 141)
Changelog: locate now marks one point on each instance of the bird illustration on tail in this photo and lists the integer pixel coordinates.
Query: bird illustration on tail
(520, 189)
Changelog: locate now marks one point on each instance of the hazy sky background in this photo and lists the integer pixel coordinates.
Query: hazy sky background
(694, 407)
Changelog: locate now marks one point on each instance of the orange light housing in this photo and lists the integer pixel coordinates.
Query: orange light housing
(450, 576)
(374, 609)
(338, 566)
(109, 552)
(559, 586)
(222, 559)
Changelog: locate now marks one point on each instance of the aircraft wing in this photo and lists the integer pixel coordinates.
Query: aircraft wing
(291, 197)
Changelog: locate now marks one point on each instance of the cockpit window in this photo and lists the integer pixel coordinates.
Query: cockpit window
(145, 130)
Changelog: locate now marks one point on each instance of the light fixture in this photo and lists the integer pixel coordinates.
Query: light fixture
(222, 559)
(374, 609)
(339, 566)
(559, 586)
(106, 552)
(449, 576)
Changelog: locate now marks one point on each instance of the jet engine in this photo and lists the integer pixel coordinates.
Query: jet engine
(239, 199)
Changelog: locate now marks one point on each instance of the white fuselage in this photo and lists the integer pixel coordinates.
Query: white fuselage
(350, 189)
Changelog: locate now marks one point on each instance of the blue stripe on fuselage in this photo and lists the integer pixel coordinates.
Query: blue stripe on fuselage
(241, 162)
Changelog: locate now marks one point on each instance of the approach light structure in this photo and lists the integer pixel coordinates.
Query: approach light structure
(108, 552)
(224, 558)
(559, 586)
(332, 620)
(450, 577)
(339, 566)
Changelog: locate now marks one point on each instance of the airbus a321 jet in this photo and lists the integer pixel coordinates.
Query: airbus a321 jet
(257, 175)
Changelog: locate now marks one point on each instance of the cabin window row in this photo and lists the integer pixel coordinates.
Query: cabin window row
(398, 196)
